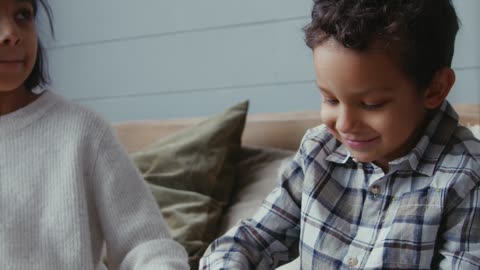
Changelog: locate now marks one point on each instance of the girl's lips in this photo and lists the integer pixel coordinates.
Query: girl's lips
(357, 144)
(11, 64)
(10, 61)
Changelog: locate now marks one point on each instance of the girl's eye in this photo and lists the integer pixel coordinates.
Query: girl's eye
(24, 14)
(373, 106)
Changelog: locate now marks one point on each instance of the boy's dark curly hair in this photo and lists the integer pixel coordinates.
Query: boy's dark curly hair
(422, 31)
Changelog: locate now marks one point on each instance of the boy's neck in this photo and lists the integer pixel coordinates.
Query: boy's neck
(11, 101)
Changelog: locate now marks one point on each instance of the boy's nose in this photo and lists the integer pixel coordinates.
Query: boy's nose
(9, 35)
(346, 120)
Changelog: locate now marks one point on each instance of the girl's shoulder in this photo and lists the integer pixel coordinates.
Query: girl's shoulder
(69, 115)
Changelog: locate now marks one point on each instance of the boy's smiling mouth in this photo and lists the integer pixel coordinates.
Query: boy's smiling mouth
(358, 144)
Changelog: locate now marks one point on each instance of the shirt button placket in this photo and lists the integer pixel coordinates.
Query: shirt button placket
(375, 190)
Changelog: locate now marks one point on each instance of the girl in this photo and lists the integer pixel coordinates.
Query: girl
(66, 184)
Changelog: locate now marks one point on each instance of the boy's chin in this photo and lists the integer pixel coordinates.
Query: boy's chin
(375, 159)
(363, 157)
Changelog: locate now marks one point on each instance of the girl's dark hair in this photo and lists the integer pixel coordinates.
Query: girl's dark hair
(39, 75)
(422, 31)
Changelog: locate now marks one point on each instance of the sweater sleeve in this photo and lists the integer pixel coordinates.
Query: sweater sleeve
(135, 232)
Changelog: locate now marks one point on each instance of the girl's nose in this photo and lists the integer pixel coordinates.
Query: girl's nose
(9, 35)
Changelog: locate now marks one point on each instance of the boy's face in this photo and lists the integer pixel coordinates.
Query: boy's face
(368, 103)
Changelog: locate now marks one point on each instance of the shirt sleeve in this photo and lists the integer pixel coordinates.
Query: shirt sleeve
(271, 237)
(461, 237)
(135, 232)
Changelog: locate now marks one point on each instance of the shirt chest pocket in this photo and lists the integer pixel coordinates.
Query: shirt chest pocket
(411, 227)
(418, 216)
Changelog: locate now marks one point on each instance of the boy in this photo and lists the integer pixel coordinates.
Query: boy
(390, 181)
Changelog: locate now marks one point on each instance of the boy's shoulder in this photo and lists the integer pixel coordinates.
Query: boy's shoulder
(447, 151)
(468, 139)
(458, 170)
(463, 151)
(458, 166)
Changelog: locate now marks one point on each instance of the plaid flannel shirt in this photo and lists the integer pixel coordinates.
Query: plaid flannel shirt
(336, 213)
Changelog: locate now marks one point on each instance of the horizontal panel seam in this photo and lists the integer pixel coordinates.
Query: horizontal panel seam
(186, 91)
(162, 34)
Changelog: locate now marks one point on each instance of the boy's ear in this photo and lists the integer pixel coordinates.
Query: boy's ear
(439, 88)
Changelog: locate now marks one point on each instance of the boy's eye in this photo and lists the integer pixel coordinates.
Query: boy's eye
(330, 101)
(373, 106)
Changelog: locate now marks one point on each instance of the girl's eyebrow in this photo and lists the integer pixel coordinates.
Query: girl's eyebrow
(24, 1)
(27, 2)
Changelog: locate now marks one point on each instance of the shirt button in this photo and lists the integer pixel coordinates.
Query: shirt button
(375, 190)
(352, 262)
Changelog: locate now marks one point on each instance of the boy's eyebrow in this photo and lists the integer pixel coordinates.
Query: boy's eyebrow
(366, 91)
(322, 89)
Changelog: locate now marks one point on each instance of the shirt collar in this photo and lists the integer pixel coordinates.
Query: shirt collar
(424, 156)
(339, 155)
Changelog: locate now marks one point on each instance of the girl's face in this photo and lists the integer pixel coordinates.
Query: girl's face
(18, 43)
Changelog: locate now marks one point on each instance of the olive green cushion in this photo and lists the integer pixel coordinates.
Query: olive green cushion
(191, 175)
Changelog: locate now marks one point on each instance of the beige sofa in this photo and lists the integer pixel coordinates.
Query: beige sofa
(268, 141)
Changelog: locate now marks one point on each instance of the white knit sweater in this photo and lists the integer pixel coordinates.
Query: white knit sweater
(67, 187)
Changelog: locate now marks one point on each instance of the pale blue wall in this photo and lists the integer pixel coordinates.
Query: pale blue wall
(162, 59)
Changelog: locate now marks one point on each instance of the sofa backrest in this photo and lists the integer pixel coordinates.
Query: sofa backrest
(276, 130)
